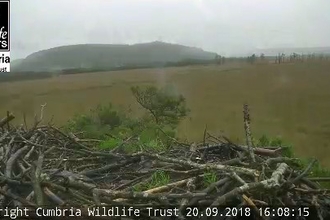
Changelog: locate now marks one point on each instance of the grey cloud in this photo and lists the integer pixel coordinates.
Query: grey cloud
(227, 27)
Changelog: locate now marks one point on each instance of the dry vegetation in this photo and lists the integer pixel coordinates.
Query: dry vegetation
(289, 100)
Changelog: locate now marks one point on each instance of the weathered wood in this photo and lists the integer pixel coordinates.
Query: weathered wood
(270, 183)
(247, 171)
(45, 165)
(248, 134)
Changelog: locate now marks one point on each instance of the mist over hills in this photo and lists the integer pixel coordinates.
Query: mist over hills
(116, 56)
(299, 50)
(107, 56)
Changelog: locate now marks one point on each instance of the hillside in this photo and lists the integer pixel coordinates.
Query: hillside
(107, 56)
(15, 63)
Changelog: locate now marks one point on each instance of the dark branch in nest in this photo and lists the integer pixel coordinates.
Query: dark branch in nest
(45, 166)
(247, 129)
(6, 119)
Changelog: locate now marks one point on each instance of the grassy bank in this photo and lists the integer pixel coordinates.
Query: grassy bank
(290, 101)
(156, 130)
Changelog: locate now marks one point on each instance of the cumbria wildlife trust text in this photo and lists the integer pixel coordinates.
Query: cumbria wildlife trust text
(14, 213)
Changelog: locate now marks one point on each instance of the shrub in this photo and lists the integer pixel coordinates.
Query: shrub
(98, 123)
(209, 178)
(317, 170)
(106, 115)
(110, 143)
(158, 178)
(164, 106)
(265, 141)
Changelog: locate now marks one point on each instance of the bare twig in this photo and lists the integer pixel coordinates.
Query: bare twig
(35, 177)
(248, 131)
(6, 120)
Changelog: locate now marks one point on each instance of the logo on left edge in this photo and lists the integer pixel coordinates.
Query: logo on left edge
(4, 36)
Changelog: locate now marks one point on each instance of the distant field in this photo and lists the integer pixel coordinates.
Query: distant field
(287, 100)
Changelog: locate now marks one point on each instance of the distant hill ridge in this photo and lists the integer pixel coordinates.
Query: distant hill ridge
(300, 50)
(107, 56)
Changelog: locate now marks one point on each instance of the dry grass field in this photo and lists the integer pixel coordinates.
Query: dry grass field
(287, 100)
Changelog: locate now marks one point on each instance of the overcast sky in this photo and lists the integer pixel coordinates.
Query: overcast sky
(228, 27)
